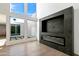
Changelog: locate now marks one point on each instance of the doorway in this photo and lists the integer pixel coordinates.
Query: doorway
(2, 30)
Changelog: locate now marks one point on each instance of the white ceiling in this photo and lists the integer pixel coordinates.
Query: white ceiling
(17, 21)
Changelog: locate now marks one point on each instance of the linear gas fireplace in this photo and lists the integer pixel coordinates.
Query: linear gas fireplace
(57, 30)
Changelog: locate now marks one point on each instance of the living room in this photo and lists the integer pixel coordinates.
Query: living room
(42, 10)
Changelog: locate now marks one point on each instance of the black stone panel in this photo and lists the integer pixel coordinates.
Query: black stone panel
(56, 25)
(57, 30)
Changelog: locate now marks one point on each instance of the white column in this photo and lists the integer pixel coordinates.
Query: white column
(38, 29)
(7, 23)
(25, 22)
(7, 29)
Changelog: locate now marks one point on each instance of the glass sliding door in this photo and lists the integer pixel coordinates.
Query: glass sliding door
(16, 28)
(32, 28)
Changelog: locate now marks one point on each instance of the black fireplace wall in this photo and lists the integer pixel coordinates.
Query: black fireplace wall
(54, 25)
(63, 28)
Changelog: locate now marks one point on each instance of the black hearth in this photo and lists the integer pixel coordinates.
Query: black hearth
(57, 30)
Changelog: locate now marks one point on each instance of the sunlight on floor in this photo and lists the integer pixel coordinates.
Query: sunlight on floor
(2, 42)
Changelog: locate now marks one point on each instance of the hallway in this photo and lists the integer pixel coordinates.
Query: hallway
(32, 48)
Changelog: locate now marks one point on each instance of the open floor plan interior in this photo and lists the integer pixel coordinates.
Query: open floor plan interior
(39, 29)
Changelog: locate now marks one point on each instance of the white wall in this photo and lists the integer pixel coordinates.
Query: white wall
(2, 19)
(4, 8)
(45, 9)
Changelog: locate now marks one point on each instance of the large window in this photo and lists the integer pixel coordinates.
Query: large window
(31, 8)
(17, 8)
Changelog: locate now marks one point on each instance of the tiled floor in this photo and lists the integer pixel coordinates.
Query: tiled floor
(33, 48)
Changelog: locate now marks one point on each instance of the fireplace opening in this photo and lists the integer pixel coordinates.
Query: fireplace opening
(54, 28)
